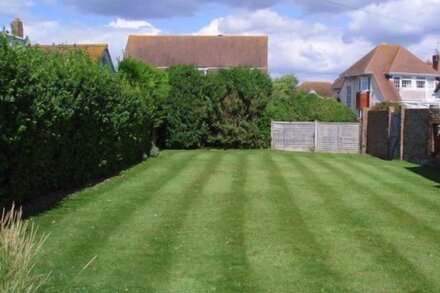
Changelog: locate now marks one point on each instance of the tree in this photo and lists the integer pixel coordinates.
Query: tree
(285, 86)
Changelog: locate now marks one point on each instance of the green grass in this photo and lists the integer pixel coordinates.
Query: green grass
(255, 221)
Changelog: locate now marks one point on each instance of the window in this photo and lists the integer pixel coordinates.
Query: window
(406, 83)
(397, 82)
(349, 93)
(421, 84)
(364, 84)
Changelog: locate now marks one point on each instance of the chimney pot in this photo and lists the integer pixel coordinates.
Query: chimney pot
(17, 28)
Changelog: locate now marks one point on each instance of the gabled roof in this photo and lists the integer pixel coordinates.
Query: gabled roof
(321, 88)
(200, 51)
(389, 59)
(95, 51)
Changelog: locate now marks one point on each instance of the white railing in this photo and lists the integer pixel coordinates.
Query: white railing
(419, 95)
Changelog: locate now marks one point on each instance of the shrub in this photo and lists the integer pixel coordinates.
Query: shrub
(187, 118)
(19, 245)
(384, 106)
(238, 97)
(64, 121)
(154, 152)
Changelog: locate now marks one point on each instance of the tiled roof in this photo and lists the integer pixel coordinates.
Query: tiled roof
(321, 88)
(200, 51)
(95, 51)
(388, 59)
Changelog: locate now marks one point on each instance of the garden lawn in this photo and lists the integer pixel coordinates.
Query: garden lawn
(255, 221)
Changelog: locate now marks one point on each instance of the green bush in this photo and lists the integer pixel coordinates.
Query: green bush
(186, 125)
(154, 85)
(238, 97)
(64, 121)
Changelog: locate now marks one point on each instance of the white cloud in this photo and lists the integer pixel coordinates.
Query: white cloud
(114, 34)
(398, 21)
(310, 50)
(130, 24)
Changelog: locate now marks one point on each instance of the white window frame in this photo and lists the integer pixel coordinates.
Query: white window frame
(421, 84)
(406, 80)
(349, 94)
(397, 82)
(364, 83)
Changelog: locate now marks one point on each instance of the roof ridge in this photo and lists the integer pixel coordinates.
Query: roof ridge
(199, 36)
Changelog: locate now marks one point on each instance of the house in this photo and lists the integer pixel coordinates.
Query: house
(207, 53)
(388, 73)
(17, 32)
(97, 52)
(323, 89)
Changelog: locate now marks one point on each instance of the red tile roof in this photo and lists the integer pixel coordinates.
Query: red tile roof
(200, 51)
(95, 51)
(388, 59)
(321, 88)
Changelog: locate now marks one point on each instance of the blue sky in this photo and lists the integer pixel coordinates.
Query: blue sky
(314, 39)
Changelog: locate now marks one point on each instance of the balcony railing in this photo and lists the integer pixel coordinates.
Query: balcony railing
(420, 95)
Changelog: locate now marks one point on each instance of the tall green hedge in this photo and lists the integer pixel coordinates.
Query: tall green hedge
(64, 121)
(238, 97)
(189, 108)
(155, 88)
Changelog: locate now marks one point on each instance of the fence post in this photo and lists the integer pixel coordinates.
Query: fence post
(271, 135)
(364, 131)
(316, 135)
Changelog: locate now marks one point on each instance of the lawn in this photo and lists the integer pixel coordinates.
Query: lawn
(255, 221)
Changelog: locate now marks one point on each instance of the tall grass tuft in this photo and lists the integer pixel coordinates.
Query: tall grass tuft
(19, 245)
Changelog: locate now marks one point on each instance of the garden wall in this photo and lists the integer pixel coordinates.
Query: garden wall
(378, 133)
(411, 134)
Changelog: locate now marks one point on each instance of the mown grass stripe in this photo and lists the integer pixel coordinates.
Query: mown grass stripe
(403, 218)
(155, 242)
(406, 275)
(314, 259)
(395, 181)
(233, 251)
(94, 231)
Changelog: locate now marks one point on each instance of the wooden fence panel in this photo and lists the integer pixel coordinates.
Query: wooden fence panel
(316, 136)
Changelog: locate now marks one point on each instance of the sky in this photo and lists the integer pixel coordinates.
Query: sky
(314, 39)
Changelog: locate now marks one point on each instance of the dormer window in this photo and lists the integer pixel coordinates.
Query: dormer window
(364, 84)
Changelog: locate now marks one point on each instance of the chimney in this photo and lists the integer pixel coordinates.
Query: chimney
(17, 28)
(436, 61)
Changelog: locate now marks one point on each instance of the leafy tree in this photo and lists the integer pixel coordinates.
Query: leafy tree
(285, 86)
